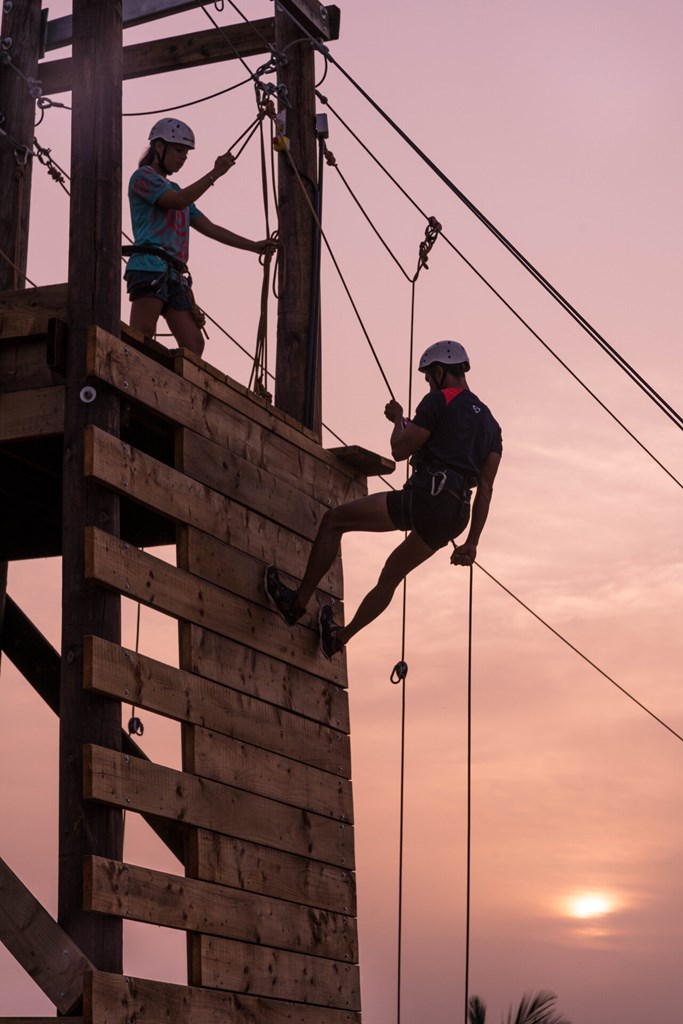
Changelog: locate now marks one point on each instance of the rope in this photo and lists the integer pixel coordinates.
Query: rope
(502, 299)
(468, 872)
(400, 671)
(17, 269)
(609, 349)
(576, 650)
(288, 155)
(182, 106)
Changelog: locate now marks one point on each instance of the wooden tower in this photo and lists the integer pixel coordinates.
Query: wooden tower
(109, 445)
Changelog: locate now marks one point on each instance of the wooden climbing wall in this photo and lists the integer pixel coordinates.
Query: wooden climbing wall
(264, 796)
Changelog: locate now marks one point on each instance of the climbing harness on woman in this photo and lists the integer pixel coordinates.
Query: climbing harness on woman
(157, 275)
(454, 445)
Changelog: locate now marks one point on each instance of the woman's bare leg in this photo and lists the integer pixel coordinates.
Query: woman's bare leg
(144, 315)
(185, 330)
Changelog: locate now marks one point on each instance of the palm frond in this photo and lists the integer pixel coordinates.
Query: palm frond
(537, 1008)
(476, 1011)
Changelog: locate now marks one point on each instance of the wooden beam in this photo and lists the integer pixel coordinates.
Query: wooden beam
(121, 781)
(261, 971)
(322, 22)
(28, 310)
(297, 189)
(40, 1020)
(40, 664)
(21, 45)
(171, 901)
(256, 868)
(135, 12)
(118, 1000)
(94, 297)
(188, 698)
(145, 578)
(36, 412)
(190, 50)
(42, 948)
(31, 654)
(270, 679)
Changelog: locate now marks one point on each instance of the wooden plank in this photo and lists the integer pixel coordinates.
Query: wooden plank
(208, 654)
(23, 364)
(184, 355)
(151, 685)
(257, 868)
(139, 575)
(171, 901)
(114, 999)
(43, 949)
(362, 459)
(135, 12)
(38, 412)
(190, 50)
(159, 487)
(28, 310)
(122, 781)
(40, 1020)
(276, 422)
(260, 971)
(263, 471)
(259, 770)
(241, 573)
(184, 403)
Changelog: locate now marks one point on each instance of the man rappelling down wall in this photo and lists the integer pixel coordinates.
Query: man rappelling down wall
(162, 214)
(454, 444)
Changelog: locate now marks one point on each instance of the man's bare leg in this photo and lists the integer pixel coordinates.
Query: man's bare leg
(365, 514)
(406, 557)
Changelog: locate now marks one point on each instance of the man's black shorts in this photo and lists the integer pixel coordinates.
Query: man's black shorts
(436, 519)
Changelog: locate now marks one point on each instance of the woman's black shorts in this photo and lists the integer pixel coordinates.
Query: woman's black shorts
(436, 519)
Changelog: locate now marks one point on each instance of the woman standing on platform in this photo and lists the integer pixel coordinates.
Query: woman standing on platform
(162, 213)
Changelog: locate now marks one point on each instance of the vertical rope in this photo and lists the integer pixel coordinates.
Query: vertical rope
(469, 799)
(402, 676)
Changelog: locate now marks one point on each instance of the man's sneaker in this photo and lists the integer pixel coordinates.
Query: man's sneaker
(281, 597)
(330, 644)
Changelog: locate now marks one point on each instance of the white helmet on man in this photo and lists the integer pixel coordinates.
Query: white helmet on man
(448, 353)
(169, 129)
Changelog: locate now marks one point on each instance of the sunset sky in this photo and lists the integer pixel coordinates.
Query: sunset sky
(562, 123)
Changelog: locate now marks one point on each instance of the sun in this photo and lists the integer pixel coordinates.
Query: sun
(591, 904)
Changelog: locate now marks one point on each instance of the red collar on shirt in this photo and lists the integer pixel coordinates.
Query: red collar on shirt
(451, 393)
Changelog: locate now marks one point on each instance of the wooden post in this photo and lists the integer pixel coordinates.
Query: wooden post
(297, 226)
(21, 46)
(87, 828)
(21, 25)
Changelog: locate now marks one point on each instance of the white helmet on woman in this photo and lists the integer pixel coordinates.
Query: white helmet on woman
(448, 353)
(171, 130)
